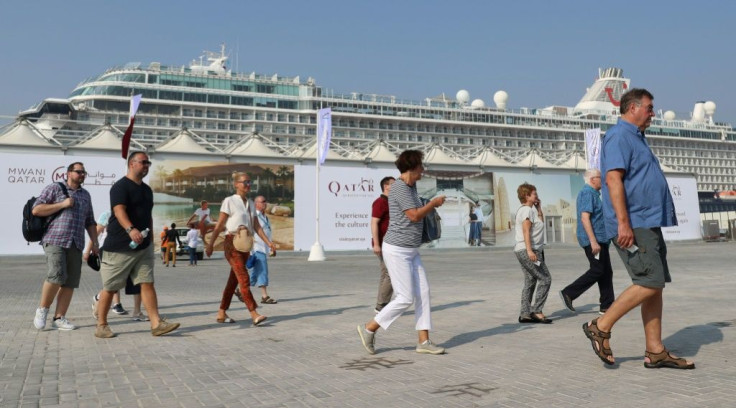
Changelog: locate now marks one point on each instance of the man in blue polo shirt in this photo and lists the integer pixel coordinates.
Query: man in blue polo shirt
(636, 204)
(592, 237)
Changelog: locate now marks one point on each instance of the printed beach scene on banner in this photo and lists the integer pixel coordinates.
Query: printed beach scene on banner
(179, 186)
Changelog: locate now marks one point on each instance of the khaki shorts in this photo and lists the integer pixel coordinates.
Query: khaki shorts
(117, 266)
(64, 265)
(648, 265)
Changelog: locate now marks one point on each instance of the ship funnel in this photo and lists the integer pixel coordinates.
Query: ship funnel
(699, 112)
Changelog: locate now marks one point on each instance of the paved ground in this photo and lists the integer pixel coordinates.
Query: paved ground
(308, 355)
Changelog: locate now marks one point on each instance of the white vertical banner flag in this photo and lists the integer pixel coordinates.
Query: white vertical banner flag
(593, 148)
(324, 133)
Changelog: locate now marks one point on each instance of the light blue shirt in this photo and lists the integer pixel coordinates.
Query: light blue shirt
(648, 199)
(589, 200)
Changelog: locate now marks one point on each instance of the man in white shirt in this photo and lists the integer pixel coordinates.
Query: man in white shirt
(204, 221)
(259, 271)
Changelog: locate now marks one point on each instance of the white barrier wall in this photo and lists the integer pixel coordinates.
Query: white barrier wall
(25, 175)
(346, 193)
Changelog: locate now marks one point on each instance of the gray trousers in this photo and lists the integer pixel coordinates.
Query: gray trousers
(385, 290)
(534, 277)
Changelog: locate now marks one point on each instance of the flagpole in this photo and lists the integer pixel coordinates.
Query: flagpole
(317, 253)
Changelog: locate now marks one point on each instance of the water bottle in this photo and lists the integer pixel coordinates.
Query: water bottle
(133, 244)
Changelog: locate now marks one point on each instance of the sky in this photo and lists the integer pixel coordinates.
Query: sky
(541, 53)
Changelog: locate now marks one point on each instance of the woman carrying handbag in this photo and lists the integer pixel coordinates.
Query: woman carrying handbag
(238, 218)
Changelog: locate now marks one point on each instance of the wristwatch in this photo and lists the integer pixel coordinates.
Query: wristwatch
(127, 230)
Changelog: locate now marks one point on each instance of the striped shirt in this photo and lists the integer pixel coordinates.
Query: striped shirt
(401, 231)
(68, 227)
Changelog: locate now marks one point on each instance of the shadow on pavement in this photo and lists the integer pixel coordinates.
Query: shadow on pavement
(470, 337)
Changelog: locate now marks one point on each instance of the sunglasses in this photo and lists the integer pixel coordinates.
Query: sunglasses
(80, 172)
(246, 182)
(144, 162)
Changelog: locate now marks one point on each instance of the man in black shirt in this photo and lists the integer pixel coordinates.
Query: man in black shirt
(127, 250)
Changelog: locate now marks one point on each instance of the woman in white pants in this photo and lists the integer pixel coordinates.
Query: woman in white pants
(401, 255)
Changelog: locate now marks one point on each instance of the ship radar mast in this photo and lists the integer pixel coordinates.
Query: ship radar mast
(215, 63)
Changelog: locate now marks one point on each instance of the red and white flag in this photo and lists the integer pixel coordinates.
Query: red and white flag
(135, 101)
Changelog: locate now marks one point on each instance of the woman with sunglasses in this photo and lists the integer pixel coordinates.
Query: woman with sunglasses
(237, 211)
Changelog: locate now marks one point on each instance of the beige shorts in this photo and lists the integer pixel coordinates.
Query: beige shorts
(117, 266)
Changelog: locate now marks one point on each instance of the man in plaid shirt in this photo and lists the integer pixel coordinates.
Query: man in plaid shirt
(63, 243)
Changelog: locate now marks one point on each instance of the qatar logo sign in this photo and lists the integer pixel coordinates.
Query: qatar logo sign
(35, 175)
(362, 188)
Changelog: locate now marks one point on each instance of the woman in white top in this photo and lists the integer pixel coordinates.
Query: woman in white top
(236, 212)
(528, 249)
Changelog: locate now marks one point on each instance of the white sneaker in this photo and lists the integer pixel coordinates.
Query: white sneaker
(63, 324)
(429, 348)
(40, 320)
(368, 339)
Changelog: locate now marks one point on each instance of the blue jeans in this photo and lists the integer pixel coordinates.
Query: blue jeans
(192, 256)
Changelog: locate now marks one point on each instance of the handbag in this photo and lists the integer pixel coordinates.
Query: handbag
(242, 240)
(432, 225)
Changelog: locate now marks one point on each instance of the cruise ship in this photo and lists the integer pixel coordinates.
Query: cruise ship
(222, 108)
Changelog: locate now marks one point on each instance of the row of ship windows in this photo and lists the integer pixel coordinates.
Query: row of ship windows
(309, 120)
(110, 90)
(206, 83)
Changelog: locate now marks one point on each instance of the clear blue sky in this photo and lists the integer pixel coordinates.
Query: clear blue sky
(540, 52)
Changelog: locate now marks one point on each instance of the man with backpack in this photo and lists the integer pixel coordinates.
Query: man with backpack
(70, 207)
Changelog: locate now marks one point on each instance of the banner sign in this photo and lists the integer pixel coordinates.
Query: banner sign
(324, 133)
(593, 148)
(25, 175)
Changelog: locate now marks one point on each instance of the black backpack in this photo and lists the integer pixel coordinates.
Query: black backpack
(35, 227)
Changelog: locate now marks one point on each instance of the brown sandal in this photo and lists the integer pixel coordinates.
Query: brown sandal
(665, 360)
(596, 337)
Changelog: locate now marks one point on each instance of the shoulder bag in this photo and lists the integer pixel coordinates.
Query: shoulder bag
(432, 228)
(243, 239)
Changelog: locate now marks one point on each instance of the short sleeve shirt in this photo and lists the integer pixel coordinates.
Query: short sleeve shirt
(237, 213)
(67, 228)
(138, 202)
(401, 231)
(202, 214)
(380, 211)
(648, 199)
(537, 231)
(258, 243)
(589, 201)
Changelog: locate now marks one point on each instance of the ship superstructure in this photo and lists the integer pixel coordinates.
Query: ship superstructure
(222, 107)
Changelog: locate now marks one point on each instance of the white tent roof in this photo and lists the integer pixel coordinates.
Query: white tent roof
(435, 155)
(23, 134)
(107, 138)
(534, 159)
(576, 162)
(253, 146)
(182, 142)
(311, 153)
(381, 153)
(488, 158)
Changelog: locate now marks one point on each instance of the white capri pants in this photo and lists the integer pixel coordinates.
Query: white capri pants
(409, 280)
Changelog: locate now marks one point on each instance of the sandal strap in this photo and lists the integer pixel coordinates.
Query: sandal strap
(595, 331)
(664, 356)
